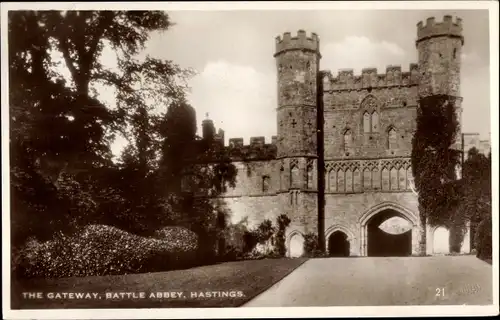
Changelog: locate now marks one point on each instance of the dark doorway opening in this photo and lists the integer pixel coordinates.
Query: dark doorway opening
(384, 244)
(338, 245)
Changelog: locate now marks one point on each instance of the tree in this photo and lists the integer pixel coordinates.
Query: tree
(60, 127)
(434, 159)
(475, 204)
(207, 165)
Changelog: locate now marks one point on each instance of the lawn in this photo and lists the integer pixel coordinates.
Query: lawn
(229, 284)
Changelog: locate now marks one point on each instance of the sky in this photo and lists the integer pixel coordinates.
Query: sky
(232, 53)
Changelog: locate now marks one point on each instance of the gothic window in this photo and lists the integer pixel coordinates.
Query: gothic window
(333, 180)
(309, 177)
(374, 121)
(402, 178)
(394, 179)
(348, 180)
(366, 122)
(376, 179)
(370, 116)
(347, 140)
(356, 180)
(265, 183)
(385, 179)
(367, 179)
(340, 181)
(294, 176)
(392, 139)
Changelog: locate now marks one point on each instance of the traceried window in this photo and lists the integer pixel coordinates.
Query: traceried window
(392, 139)
(282, 178)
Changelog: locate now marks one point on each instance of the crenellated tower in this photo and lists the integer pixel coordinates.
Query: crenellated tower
(297, 61)
(439, 46)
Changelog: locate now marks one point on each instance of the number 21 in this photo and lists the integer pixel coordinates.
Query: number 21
(439, 292)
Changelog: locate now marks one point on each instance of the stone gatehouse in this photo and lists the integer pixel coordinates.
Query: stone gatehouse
(340, 163)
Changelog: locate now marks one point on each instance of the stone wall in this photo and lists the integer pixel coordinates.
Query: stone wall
(368, 116)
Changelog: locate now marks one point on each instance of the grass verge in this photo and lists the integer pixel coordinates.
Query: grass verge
(245, 279)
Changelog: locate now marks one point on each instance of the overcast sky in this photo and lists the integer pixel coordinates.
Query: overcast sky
(232, 51)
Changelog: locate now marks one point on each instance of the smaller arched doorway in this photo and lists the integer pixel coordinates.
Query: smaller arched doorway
(338, 245)
(441, 240)
(296, 245)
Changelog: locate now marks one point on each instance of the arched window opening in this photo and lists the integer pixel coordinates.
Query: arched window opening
(265, 183)
(282, 171)
(347, 140)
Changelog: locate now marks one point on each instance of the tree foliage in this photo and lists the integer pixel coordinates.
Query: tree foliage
(434, 158)
(62, 127)
(475, 202)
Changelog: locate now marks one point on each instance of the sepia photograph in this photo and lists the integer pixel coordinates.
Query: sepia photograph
(336, 157)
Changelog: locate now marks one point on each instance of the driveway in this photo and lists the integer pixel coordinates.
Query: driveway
(365, 281)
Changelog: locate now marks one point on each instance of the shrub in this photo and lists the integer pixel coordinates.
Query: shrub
(311, 245)
(483, 239)
(283, 222)
(102, 250)
(178, 236)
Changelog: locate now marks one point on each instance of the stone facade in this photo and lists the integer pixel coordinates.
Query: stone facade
(342, 153)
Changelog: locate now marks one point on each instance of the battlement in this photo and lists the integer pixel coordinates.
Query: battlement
(448, 27)
(370, 78)
(258, 149)
(299, 42)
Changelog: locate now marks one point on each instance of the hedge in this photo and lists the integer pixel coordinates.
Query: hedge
(483, 239)
(103, 250)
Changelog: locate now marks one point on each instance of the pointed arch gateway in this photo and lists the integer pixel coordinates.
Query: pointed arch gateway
(400, 240)
(339, 241)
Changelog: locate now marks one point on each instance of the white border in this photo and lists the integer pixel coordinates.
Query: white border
(492, 6)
